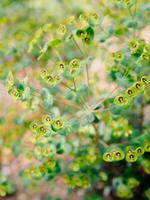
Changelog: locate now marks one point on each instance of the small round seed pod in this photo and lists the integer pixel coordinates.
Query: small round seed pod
(130, 92)
(49, 79)
(145, 80)
(81, 33)
(57, 124)
(131, 157)
(86, 40)
(139, 151)
(46, 119)
(15, 93)
(108, 157)
(133, 45)
(57, 78)
(42, 130)
(61, 29)
(34, 126)
(120, 100)
(117, 56)
(129, 149)
(138, 86)
(74, 67)
(61, 67)
(43, 73)
(83, 16)
(119, 155)
(145, 56)
(75, 63)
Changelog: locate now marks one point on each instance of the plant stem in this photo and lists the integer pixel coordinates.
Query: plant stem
(141, 115)
(64, 101)
(74, 83)
(64, 84)
(134, 33)
(87, 74)
(84, 54)
(96, 139)
(76, 44)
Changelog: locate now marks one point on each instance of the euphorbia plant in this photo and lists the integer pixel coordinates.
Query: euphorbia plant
(94, 139)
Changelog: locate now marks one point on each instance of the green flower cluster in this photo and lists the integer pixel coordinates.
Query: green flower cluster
(138, 46)
(62, 70)
(22, 91)
(117, 56)
(46, 170)
(86, 34)
(47, 126)
(124, 187)
(77, 181)
(126, 97)
(130, 153)
(90, 18)
(50, 78)
(113, 154)
(38, 35)
(120, 127)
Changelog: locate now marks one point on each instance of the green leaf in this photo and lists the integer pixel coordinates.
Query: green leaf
(90, 32)
(47, 98)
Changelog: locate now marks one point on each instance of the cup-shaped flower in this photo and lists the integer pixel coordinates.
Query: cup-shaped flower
(46, 119)
(130, 92)
(43, 73)
(62, 29)
(120, 100)
(34, 126)
(61, 66)
(117, 56)
(139, 151)
(108, 157)
(49, 79)
(57, 124)
(81, 33)
(131, 157)
(133, 45)
(42, 130)
(118, 155)
(138, 86)
(145, 80)
(145, 56)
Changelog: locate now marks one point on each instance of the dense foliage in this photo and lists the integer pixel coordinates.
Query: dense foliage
(92, 138)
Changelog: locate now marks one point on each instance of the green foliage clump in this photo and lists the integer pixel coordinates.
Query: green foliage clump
(92, 138)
